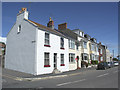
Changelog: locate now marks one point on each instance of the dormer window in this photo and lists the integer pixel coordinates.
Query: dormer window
(19, 28)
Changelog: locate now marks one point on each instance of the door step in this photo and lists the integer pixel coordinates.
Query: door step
(56, 71)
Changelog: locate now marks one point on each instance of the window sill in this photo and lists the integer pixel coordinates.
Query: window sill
(47, 45)
(71, 62)
(72, 48)
(62, 48)
(62, 65)
(46, 65)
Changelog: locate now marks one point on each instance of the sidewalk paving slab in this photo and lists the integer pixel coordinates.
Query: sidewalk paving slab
(27, 76)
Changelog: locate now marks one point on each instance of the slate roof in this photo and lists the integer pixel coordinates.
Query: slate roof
(47, 28)
(69, 33)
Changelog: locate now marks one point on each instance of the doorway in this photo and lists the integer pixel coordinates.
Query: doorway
(55, 60)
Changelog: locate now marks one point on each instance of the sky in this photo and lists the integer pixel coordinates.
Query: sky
(97, 19)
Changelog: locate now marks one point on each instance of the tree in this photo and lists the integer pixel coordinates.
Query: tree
(115, 59)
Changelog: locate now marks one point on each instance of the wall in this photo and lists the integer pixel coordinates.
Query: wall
(55, 48)
(20, 50)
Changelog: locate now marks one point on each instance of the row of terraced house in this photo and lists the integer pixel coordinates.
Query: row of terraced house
(37, 49)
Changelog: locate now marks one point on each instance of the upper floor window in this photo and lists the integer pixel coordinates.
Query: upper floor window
(92, 47)
(71, 44)
(61, 42)
(19, 28)
(47, 39)
(85, 45)
(77, 46)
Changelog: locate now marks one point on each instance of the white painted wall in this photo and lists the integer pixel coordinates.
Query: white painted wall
(55, 48)
(20, 51)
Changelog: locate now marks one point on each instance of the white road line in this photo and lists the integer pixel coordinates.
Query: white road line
(103, 75)
(70, 82)
(115, 71)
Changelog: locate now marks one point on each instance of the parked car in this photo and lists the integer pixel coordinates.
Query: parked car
(116, 63)
(102, 65)
(110, 64)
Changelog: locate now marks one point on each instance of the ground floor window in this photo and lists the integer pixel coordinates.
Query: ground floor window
(71, 57)
(62, 60)
(46, 59)
(96, 57)
(84, 56)
(92, 56)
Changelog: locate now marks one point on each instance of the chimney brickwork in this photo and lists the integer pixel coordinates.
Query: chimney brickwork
(62, 26)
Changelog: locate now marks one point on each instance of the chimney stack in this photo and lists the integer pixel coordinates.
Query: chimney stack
(50, 24)
(23, 14)
(23, 9)
(62, 26)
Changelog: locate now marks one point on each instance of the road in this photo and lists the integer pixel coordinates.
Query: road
(89, 79)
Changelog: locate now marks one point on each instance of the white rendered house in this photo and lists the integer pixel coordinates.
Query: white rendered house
(35, 49)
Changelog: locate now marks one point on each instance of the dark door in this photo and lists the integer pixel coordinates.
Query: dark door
(55, 60)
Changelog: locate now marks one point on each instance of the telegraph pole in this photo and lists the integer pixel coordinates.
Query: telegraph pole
(113, 53)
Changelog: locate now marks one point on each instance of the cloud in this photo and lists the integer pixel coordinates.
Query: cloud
(3, 39)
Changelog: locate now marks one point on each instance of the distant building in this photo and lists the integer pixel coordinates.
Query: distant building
(74, 47)
(102, 52)
(2, 53)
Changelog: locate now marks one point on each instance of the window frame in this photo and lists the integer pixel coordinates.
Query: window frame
(71, 44)
(46, 59)
(61, 43)
(19, 29)
(71, 55)
(47, 39)
(62, 60)
(84, 46)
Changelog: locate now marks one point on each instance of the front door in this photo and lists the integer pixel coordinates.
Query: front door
(55, 60)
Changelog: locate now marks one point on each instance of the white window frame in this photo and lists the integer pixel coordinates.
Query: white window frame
(47, 39)
(92, 47)
(62, 58)
(61, 42)
(46, 59)
(71, 55)
(71, 44)
(19, 28)
(84, 44)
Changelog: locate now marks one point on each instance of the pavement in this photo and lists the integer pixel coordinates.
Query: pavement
(81, 78)
(28, 77)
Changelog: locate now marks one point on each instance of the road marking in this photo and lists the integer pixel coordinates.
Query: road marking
(70, 82)
(40, 87)
(115, 71)
(103, 75)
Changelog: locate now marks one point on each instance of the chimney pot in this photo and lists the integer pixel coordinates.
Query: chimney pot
(50, 23)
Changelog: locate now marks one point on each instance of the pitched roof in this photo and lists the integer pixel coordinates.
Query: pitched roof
(46, 28)
(69, 33)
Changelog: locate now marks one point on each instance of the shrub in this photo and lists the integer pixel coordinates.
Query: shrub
(94, 62)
